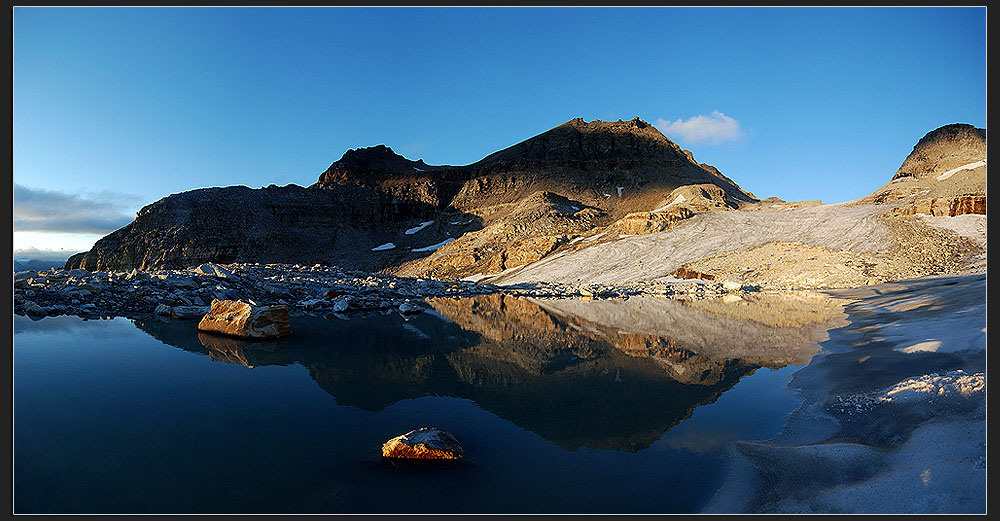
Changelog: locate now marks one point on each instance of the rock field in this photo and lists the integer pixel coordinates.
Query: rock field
(314, 290)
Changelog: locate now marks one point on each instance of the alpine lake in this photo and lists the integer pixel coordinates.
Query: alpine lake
(562, 406)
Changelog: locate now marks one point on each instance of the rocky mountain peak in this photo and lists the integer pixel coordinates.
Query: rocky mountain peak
(944, 148)
(613, 126)
(582, 141)
(363, 166)
(364, 155)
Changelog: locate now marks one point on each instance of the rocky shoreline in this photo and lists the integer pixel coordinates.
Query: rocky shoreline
(311, 290)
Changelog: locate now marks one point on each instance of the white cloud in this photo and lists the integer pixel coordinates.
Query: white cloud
(714, 129)
(37, 210)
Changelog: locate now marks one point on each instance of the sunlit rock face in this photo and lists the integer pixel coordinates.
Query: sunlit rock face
(543, 195)
(240, 319)
(641, 223)
(946, 206)
(425, 443)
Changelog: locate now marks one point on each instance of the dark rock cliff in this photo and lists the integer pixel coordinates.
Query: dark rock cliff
(289, 224)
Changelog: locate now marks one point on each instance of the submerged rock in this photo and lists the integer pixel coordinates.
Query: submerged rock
(424, 443)
(235, 318)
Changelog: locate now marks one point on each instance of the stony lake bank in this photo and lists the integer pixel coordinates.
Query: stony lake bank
(315, 290)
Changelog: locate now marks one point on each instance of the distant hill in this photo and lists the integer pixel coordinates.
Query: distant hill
(37, 265)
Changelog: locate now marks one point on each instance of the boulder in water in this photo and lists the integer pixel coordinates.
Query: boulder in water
(424, 443)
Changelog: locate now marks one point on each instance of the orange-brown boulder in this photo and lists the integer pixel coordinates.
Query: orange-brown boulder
(235, 318)
(424, 443)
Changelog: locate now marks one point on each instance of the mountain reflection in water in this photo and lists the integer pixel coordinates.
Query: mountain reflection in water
(605, 374)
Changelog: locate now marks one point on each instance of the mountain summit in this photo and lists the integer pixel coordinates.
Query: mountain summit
(945, 174)
(943, 149)
(578, 140)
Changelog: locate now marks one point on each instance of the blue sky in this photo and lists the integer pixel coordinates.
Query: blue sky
(115, 108)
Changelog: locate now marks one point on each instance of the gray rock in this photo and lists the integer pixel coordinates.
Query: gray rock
(312, 303)
(178, 281)
(214, 270)
(189, 312)
(340, 304)
(137, 275)
(33, 309)
(25, 275)
(409, 308)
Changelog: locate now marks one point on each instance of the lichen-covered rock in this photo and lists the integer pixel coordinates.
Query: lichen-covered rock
(235, 318)
(424, 443)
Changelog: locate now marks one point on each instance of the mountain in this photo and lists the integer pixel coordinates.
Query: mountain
(376, 210)
(943, 149)
(945, 174)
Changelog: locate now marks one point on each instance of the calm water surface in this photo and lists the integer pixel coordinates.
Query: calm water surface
(556, 413)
